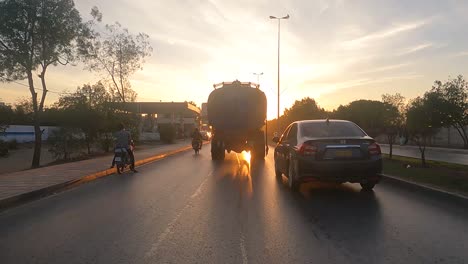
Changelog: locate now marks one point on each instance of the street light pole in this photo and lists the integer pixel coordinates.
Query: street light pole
(279, 32)
(258, 76)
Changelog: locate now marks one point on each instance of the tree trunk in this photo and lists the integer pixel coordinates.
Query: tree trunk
(390, 143)
(88, 143)
(465, 138)
(462, 132)
(88, 146)
(65, 147)
(36, 161)
(423, 159)
(422, 149)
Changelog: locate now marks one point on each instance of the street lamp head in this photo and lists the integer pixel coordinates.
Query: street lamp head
(286, 17)
(273, 17)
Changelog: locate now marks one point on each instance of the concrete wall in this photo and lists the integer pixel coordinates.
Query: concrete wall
(446, 137)
(24, 134)
(150, 136)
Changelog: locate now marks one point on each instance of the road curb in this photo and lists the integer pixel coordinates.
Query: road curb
(426, 188)
(23, 198)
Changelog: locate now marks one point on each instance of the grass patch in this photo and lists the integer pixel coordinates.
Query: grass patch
(443, 175)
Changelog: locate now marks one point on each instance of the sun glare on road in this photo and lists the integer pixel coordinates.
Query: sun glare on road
(243, 173)
(246, 156)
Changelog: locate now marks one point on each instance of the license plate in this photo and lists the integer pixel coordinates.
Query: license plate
(343, 153)
(118, 159)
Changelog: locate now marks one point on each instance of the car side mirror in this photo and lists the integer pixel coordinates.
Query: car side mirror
(276, 139)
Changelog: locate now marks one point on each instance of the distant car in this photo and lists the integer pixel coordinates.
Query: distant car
(206, 135)
(327, 150)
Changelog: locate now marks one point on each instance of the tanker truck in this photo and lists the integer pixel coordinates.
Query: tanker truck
(237, 115)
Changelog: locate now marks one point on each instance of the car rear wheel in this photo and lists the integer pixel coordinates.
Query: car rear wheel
(278, 173)
(368, 186)
(292, 176)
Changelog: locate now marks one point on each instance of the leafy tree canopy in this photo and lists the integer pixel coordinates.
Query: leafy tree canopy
(116, 53)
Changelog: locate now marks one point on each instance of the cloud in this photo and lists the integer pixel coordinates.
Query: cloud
(460, 54)
(329, 87)
(415, 49)
(385, 68)
(384, 34)
(327, 45)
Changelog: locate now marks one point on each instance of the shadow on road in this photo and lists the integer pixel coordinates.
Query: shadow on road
(348, 217)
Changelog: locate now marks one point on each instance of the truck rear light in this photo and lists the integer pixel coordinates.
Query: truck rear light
(374, 149)
(307, 150)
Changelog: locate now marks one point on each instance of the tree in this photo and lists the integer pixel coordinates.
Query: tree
(85, 109)
(453, 95)
(6, 116)
(423, 119)
(89, 111)
(304, 109)
(368, 114)
(393, 118)
(33, 36)
(116, 53)
(307, 108)
(24, 112)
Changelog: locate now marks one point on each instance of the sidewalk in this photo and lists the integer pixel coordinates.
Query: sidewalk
(449, 150)
(23, 182)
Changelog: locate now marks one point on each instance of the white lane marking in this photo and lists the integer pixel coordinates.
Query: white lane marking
(243, 250)
(162, 237)
(200, 188)
(242, 238)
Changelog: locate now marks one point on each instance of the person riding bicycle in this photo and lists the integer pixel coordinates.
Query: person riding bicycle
(124, 140)
(197, 136)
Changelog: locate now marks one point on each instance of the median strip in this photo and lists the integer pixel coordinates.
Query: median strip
(442, 177)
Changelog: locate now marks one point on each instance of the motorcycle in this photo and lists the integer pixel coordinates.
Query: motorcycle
(196, 145)
(122, 159)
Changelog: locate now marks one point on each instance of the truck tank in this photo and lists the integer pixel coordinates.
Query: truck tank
(237, 113)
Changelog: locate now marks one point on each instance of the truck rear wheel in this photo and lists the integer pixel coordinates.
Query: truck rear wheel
(258, 152)
(218, 154)
(217, 150)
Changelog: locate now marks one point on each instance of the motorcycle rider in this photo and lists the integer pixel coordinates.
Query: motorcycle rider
(124, 140)
(197, 136)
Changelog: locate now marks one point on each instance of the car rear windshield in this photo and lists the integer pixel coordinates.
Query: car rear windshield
(332, 129)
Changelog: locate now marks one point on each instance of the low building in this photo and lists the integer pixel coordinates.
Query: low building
(184, 116)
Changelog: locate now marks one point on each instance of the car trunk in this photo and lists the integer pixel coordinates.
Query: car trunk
(342, 149)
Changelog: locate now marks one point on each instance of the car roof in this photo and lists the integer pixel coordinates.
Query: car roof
(322, 120)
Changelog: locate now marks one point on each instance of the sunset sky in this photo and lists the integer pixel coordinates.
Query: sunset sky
(334, 51)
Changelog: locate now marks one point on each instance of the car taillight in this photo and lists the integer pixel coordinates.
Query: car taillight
(307, 150)
(374, 149)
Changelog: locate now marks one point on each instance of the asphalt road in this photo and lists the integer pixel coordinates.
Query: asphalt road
(446, 155)
(187, 209)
